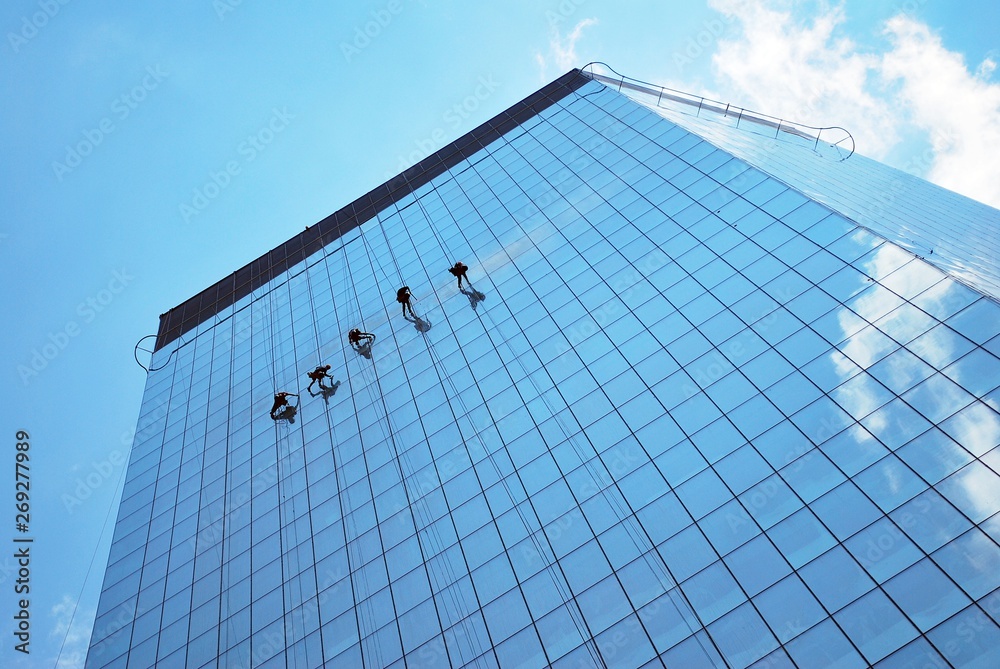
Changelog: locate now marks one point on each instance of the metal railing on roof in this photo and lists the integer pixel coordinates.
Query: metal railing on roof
(834, 137)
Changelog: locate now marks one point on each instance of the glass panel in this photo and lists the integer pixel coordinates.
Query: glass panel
(655, 379)
(876, 626)
(968, 639)
(925, 594)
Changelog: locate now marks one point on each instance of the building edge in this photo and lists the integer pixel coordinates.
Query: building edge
(192, 312)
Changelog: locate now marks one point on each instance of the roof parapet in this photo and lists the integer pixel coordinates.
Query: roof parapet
(833, 142)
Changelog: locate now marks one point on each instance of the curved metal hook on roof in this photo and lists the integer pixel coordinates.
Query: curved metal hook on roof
(835, 136)
(135, 354)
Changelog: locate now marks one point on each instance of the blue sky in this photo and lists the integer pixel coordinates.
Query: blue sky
(149, 151)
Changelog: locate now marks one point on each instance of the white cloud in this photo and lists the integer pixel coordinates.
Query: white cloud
(807, 71)
(986, 69)
(959, 110)
(976, 428)
(978, 484)
(803, 71)
(77, 637)
(540, 61)
(562, 49)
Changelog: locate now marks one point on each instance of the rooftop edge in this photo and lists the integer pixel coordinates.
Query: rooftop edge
(192, 312)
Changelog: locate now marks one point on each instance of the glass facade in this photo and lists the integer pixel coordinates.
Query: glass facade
(950, 231)
(686, 417)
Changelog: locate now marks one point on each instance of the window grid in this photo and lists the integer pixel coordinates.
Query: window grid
(621, 314)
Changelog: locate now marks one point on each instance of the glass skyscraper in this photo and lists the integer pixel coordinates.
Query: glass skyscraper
(719, 394)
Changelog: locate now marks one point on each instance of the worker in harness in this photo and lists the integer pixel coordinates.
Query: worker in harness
(358, 339)
(318, 374)
(403, 296)
(281, 401)
(460, 270)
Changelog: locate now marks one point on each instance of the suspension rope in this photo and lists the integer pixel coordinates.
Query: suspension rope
(269, 356)
(401, 458)
(377, 397)
(312, 312)
(223, 519)
(370, 253)
(389, 438)
(350, 287)
(430, 223)
(545, 552)
(371, 260)
(351, 523)
(547, 555)
(388, 245)
(637, 535)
